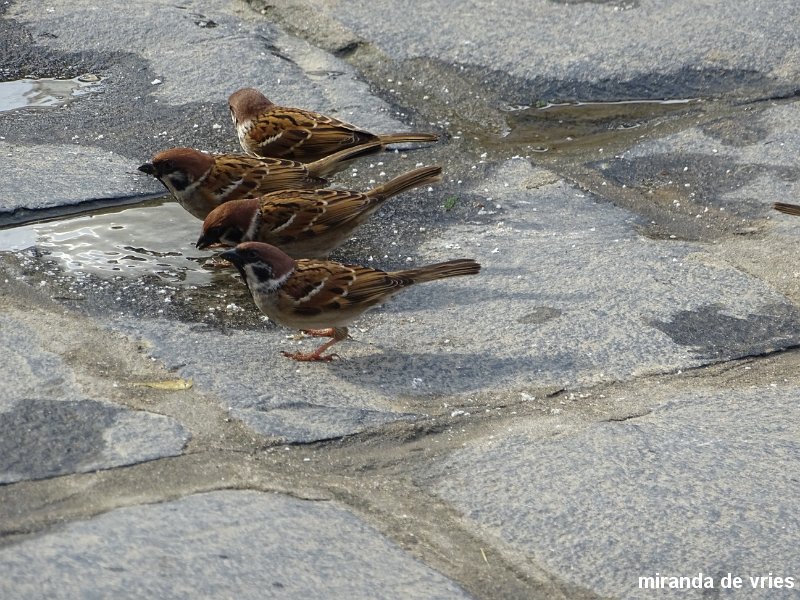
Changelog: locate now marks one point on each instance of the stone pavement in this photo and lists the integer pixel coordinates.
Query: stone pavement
(614, 397)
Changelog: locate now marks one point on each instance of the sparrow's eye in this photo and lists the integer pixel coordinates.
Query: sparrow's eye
(251, 254)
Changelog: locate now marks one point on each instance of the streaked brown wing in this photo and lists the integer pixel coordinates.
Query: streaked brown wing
(340, 206)
(329, 138)
(321, 286)
(243, 176)
(287, 174)
(230, 177)
(317, 286)
(314, 211)
(304, 134)
(372, 286)
(284, 143)
(285, 119)
(287, 216)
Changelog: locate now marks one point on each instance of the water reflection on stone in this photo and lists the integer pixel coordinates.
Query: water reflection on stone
(155, 237)
(24, 93)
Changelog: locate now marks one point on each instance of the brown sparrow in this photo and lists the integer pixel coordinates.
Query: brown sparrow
(304, 223)
(200, 182)
(266, 129)
(322, 297)
(789, 209)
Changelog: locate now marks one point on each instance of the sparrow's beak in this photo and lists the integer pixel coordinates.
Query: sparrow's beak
(148, 168)
(232, 256)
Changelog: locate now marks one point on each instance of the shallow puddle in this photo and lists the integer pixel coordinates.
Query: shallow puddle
(24, 93)
(579, 125)
(155, 237)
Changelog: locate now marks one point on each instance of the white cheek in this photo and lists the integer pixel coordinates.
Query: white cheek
(257, 281)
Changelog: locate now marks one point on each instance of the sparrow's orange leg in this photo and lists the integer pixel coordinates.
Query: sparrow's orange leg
(336, 333)
(315, 355)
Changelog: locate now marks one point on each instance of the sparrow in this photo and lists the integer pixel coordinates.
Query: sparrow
(200, 182)
(266, 129)
(789, 209)
(323, 297)
(304, 223)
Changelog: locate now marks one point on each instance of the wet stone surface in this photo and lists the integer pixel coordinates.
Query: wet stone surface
(615, 392)
(46, 92)
(153, 238)
(560, 128)
(666, 307)
(57, 437)
(717, 171)
(155, 95)
(723, 334)
(52, 429)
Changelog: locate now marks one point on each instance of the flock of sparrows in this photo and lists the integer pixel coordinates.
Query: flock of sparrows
(268, 205)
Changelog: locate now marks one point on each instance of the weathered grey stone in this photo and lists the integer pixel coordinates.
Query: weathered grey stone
(561, 248)
(229, 544)
(729, 166)
(80, 173)
(168, 71)
(588, 279)
(271, 394)
(50, 428)
(30, 370)
(591, 50)
(44, 438)
(703, 483)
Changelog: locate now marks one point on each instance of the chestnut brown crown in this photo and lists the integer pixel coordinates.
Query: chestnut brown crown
(228, 223)
(193, 163)
(247, 103)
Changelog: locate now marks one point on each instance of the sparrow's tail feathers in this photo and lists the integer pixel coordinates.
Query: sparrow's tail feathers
(406, 181)
(789, 209)
(451, 268)
(402, 138)
(325, 167)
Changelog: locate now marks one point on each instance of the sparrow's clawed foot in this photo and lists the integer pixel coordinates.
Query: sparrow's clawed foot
(315, 356)
(337, 334)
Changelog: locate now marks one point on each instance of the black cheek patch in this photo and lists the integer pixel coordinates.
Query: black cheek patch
(232, 235)
(262, 272)
(178, 180)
